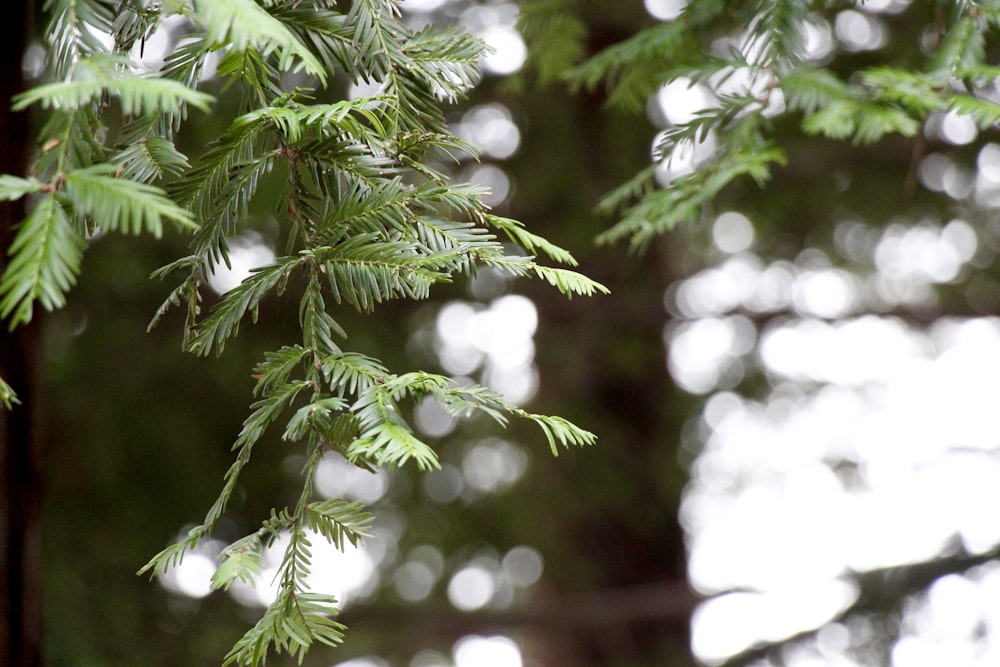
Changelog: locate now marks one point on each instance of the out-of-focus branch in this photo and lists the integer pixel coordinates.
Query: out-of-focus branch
(665, 603)
(881, 591)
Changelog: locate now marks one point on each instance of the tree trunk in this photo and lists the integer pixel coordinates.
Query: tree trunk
(20, 440)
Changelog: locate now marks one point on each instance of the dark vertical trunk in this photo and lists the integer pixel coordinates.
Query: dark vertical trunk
(20, 441)
(602, 364)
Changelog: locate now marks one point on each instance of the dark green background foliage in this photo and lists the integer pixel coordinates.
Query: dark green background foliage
(137, 432)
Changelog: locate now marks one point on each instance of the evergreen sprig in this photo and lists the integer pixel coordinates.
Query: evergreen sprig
(367, 212)
(45, 261)
(244, 26)
(769, 50)
(105, 75)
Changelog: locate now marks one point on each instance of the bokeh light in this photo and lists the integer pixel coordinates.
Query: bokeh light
(246, 253)
(496, 651)
(665, 10)
(859, 31)
(473, 586)
(497, 339)
(495, 24)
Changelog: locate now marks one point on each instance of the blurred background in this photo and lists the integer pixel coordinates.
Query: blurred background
(796, 401)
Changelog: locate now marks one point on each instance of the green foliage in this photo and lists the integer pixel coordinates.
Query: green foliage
(8, 397)
(366, 216)
(103, 75)
(48, 249)
(120, 204)
(557, 36)
(769, 55)
(632, 70)
(293, 623)
(45, 261)
(73, 26)
(243, 25)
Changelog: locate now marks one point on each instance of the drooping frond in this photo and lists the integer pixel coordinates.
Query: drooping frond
(771, 58)
(663, 209)
(8, 397)
(339, 521)
(98, 75)
(570, 282)
(533, 243)
(291, 624)
(121, 204)
(364, 204)
(45, 261)
(558, 431)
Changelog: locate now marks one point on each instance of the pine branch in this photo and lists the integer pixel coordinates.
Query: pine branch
(326, 33)
(362, 273)
(558, 431)
(318, 327)
(963, 46)
(73, 30)
(350, 373)
(45, 261)
(339, 521)
(120, 204)
(319, 416)
(224, 321)
(555, 37)
(69, 141)
(533, 243)
(243, 25)
(101, 74)
(370, 216)
(633, 69)
(390, 443)
(292, 623)
(445, 61)
(661, 210)
(778, 32)
(151, 159)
